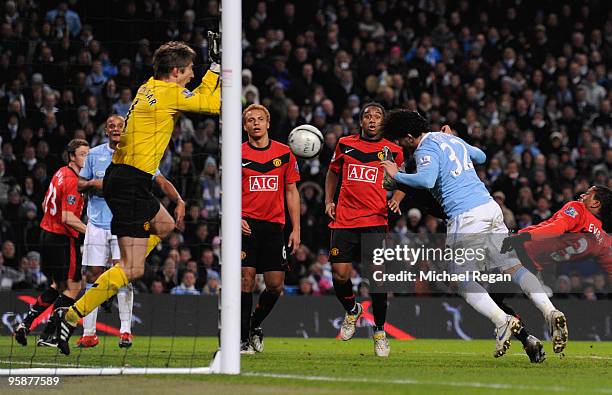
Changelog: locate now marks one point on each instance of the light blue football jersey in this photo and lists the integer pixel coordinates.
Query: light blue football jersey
(457, 186)
(98, 159)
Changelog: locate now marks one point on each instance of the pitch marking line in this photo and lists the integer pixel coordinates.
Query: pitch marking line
(423, 382)
(59, 365)
(513, 354)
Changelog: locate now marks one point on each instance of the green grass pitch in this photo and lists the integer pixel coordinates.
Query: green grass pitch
(328, 366)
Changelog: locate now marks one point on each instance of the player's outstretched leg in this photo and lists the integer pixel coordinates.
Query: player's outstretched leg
(556, 320)
(558, 330)
(125, 302)
(44, 300)
(379, 308)
(505, 325)
(105, 287)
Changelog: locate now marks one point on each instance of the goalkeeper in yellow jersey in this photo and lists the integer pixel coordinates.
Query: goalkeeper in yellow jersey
(139, 220)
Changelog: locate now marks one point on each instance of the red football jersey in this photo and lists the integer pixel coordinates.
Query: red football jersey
(363, 200)
(571, 247)
(62, 195)
(265, 173)
(571, 218)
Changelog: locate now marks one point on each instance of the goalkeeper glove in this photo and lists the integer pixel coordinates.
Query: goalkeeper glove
(214, 51)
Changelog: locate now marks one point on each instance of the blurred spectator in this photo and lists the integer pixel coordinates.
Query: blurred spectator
(9, 276)
(509, 219)
(73, 21)
(187, 286)
(8, 253)
(157, 287)
(168, 275)
(212, 284)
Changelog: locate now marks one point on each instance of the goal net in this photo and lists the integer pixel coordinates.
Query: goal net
(68, 70)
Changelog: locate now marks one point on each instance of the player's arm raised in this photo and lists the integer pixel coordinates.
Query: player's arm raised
(476, 154)
(427, 170)
(169, 190)
(206, 98)
(293, 205)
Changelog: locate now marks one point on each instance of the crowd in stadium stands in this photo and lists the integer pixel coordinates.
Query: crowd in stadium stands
(528, 82)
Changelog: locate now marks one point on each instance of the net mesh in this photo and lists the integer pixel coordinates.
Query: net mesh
(64, 72)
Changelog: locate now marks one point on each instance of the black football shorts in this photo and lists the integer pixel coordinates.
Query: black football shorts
(264, 249)
(346, 242)
(60, 257)
(127, 191)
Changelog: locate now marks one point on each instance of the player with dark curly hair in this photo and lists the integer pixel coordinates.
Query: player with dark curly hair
(445, 166)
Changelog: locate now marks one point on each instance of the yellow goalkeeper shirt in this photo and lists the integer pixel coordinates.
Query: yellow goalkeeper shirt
(150, 120)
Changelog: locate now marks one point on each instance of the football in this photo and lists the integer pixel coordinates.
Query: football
(305, 141)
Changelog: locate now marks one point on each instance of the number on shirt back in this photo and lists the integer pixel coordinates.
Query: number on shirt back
(127, 116)
(49, 203)
(467, 163)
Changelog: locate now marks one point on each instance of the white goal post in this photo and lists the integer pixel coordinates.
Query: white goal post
(227, 358)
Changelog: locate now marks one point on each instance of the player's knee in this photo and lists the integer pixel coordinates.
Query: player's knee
(248, 284)
(513, 269)
(61, 286)
(92, 273)
(72, 292)
(134, 273)
(341, 276)
(165, 230)
(276, 289)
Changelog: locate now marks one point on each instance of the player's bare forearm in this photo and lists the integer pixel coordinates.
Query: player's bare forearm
(394, 202)
(84, 185)
(169, 190)
(398, 195)
(70, 219)
(293, 204)
(331, 183)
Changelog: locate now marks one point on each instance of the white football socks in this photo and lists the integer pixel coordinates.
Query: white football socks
(481, 301)
(125, 301)
(89, 321)
(533, 289)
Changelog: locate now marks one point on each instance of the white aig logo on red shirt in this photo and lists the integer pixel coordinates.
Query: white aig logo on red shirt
(263, 183)
(362, 173)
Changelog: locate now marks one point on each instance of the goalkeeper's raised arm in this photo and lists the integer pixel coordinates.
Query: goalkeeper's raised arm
(139, 220)
(150, 120)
